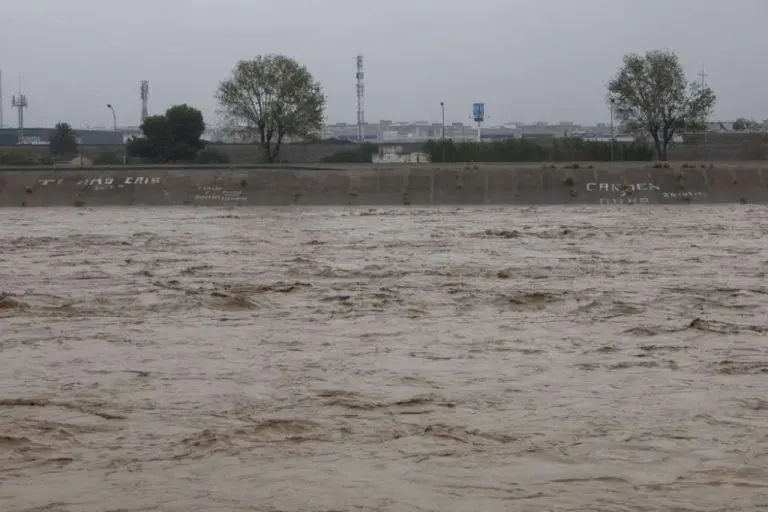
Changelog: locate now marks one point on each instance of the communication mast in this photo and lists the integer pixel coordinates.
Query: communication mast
(144, 99)
(20, 102)
(360, 99)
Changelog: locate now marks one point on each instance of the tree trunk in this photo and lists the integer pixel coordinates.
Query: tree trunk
(657, 144)
(265, 140)
(667, 136)
(278, 144)
(275, 152)
(266, 146)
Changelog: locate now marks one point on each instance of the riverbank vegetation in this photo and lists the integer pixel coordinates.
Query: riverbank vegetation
(512, 150)
(273, 97)
(651, 95)
(174, 137)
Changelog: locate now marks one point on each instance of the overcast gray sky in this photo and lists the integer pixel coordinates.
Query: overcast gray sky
(528, 60)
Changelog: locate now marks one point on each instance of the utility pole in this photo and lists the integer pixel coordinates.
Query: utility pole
(114, 116)
(442, 133)
(703, 77)
(613, 135)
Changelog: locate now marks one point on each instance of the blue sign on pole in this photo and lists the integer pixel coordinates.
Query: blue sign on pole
(478, 111)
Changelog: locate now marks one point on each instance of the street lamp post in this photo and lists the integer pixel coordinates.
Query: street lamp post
(114, 116)
(114, 124)
(442, 132)
(613, 136)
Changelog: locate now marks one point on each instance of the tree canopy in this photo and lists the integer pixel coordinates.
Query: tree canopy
(172, 137)
(650, 94)
(275, 97)
(742, 124)
(63, 140)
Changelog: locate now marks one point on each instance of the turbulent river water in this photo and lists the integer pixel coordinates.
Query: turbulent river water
(439, 359)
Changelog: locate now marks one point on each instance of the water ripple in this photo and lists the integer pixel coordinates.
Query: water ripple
(391, 359)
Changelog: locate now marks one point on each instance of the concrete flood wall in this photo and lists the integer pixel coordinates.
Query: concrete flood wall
(392, 185)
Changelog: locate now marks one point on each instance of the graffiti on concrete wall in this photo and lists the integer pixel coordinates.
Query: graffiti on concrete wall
(50, 181)
(624, 193)
(636, 193)
(683, 194)
(104, 182)
(625, 200)
(219, 194)
(623, 189)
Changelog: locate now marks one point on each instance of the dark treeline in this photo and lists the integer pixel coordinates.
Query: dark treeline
(22, 158)
(512, 150)
(526, 150)
(362, 153)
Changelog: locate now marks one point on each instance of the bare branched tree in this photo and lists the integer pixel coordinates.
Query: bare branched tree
(272, 97)
(63, 140)
(651, 95)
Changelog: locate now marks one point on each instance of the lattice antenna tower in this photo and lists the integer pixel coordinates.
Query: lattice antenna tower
(360, 99)
(20, 102)
(144, 100)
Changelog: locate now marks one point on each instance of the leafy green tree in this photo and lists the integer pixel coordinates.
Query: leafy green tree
(274, 97)
(172, 137)
(742, 124)
(63, 141)
(186, 126)
(651, 95)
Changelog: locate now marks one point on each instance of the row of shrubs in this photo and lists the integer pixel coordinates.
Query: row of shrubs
(512, 150)
(26, 158)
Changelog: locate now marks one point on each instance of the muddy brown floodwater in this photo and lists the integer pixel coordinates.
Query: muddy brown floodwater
(440, 359)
